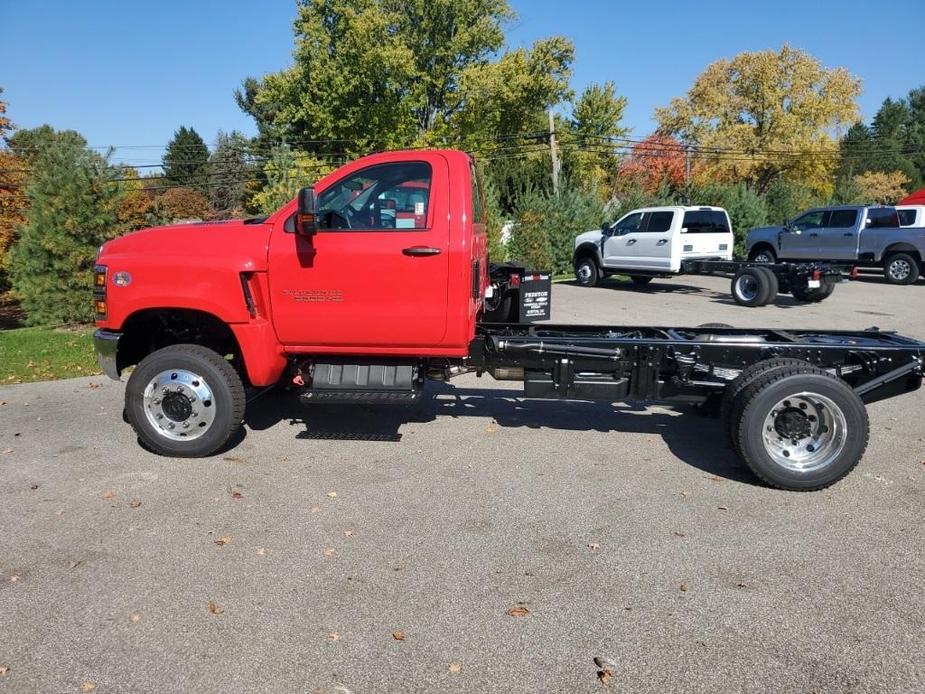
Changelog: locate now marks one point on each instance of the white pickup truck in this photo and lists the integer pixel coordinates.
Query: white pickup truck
(652, 242)
(669, 241)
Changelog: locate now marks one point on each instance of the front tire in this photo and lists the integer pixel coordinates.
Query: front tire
(901, 268)
(762, 254)
(184, 401)
(587, 273)
(800, 428)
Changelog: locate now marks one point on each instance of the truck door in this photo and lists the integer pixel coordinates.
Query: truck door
(838, 240)
(619, 246)
(376, 272)
(800, 239)
(653, 247)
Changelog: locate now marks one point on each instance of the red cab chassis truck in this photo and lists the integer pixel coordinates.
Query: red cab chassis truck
(377, 280)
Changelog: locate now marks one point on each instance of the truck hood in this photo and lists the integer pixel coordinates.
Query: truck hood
(594, 236)
(231, 243)
(765, 231)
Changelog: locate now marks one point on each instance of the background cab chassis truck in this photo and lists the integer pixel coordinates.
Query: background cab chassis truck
(332, 296)
(871, 236)
(666, 241)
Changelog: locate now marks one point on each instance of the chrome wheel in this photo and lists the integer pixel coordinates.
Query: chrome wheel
(747, 288)
(179, 405)
(899, 269)
(763, 257)
(584, 272)
(804, 432)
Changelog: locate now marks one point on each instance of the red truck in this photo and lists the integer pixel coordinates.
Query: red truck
(377, 280)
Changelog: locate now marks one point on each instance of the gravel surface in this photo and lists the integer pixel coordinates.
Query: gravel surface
(293, 561)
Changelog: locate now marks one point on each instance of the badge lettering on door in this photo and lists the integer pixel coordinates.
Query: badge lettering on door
(314, 296)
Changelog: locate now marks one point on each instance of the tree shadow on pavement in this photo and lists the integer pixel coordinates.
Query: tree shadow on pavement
(697, 440)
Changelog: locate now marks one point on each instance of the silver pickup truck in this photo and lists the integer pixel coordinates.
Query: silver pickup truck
(866, 235)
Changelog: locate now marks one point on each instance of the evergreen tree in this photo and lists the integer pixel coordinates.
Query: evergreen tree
(229, 173)
(186, 159)
(73, 206)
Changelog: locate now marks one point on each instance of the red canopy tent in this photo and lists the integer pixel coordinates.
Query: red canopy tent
(916, 198)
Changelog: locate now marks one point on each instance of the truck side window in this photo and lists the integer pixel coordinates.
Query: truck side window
(906, 217)
(882, 218)
(659, 221)
(705, 222)
(629, 224)
(810, 220)
(843, 219)
(386, 196)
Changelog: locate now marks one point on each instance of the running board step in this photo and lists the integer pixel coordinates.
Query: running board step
(353, 397)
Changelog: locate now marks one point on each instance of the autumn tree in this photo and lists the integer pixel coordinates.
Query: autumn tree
(186, 159)
(73, 209)
(286, 171)
(881, 187)
(382, 74)
(657, 161)
(179, 204)
(765, 115)
(13, 170)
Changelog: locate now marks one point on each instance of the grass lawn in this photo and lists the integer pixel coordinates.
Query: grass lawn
(44, 354)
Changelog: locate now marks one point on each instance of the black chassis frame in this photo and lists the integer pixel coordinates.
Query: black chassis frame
(686, 364)
(789, 275)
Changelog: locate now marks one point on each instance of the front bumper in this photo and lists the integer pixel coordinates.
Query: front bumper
(106, 343)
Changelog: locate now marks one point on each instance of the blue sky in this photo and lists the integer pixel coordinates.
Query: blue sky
(130, 73)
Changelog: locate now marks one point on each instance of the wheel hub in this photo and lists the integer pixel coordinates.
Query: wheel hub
(899, 269)
(804, 432)
(747, 287)
(179, 405)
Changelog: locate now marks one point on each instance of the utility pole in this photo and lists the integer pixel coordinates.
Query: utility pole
(554, 154)
(687, 164)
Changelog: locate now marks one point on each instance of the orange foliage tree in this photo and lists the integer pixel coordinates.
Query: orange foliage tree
(655, 161)
(12, 191)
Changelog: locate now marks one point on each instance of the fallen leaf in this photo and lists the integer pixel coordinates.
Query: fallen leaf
(398, 635)
(491, 428)
(87, 686)
(135, 617)
(518, 610)
(332, 494)
(455, 667)
(593, 546)
(4, 669)
(2, 402)
(134, 503)
(333, 636)
(214, 608)
(261, 551)
(683, 587)
(109, 495)
(14, 578)
(237, 496)
(678, 533)
(741, 585)
(329, 552)
(722, 508)
(604, 675)
(316, 509)
(94, 385)
(348, 533)
(73, 564)
(34, 487)
(222, 541)
(683, 493)
(7, 451)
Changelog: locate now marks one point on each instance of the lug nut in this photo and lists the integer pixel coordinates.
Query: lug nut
(165, 390)
(160, 416)
(171, 425)
(186, 425)
(157, 401)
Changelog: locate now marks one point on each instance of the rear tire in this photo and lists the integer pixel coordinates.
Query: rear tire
(587, 273)
(751, 287)
(800, 428)
(640, 280)
(762, 255)
(814, 296)
(773, 285)
(184, 401)
(901, 268)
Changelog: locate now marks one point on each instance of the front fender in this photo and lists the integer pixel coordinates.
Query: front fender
(588, 247)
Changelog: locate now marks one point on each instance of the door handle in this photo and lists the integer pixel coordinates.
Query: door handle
(662, 242)
(630, 242)
(421, 250)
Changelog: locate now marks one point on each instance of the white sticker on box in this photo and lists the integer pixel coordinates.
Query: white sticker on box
(419, 209)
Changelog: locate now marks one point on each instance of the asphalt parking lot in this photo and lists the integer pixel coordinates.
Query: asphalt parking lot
(381, 550)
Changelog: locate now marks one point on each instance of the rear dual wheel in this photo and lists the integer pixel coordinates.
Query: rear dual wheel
(796, 426)
(754, 286)
(815, 295)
